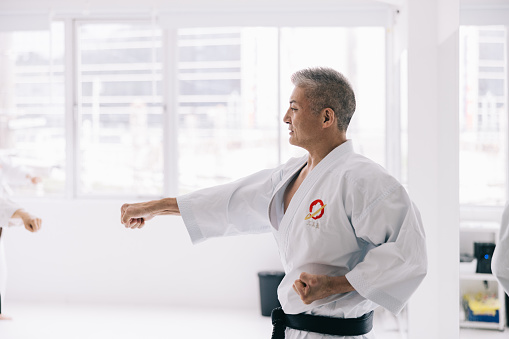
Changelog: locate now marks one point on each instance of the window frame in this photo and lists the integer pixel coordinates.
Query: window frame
(485, 15)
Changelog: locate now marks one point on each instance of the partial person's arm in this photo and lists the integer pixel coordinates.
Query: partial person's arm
(500, 260)
(12, 214)
(135, 215)
(32, 223)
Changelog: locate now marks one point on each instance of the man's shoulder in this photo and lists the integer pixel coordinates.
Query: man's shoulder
(364, 173)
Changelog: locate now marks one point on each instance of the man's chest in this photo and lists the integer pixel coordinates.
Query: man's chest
(292, 188)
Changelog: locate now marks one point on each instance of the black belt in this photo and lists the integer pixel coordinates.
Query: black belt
(320, 324)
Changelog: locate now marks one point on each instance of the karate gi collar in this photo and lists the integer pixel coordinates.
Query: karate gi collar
(291, 170)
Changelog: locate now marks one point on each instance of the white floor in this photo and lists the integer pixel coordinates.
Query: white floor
(78, 321)
(483, 334)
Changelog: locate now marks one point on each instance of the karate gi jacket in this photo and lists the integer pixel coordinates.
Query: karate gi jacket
(348, 217)
(500, 259)
(7, 209)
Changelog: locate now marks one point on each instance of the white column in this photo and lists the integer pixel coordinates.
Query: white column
(433, 147)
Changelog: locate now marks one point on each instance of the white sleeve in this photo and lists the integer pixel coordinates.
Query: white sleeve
(12, 173)
(397, 262)
(500, 260)
(7, 209)
(240, 207)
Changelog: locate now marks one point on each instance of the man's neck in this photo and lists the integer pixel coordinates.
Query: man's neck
(318, 153)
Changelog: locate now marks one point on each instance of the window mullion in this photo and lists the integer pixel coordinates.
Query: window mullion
(279, 119)
(70, 108)
(506, 92)
(170, 98)
(392, 116)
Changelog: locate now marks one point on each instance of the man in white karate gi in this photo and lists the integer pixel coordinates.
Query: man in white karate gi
(348, 234)
(500, 259)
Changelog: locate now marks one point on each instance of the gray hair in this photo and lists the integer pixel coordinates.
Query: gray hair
(327, 88)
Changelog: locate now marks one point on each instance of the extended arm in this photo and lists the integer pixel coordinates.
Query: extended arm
(239, 207)
(11, 214)
(135, 215)
(32, 223)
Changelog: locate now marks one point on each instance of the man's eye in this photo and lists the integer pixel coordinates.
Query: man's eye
(293, 109)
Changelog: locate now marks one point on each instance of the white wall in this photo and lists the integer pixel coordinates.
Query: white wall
(84, 254)
(433, 160)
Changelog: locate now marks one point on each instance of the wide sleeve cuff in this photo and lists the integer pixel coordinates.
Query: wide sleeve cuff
(365, 289)
(7, 209)
(186, 211)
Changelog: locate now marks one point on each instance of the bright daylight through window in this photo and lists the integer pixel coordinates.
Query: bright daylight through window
(231, 92)
(32, 117)
(483, 115)
(120, 110)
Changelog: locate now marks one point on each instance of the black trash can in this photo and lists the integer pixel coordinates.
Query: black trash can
(483, 251)
(269, 281)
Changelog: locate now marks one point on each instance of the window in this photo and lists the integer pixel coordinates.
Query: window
(120, 109)
(227, 103)
(231, 88)
(483, 115)
(32, 117)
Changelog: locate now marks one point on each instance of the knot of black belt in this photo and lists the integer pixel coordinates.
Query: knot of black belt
(319, 324)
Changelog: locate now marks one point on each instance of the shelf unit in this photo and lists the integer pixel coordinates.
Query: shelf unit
(471, 281)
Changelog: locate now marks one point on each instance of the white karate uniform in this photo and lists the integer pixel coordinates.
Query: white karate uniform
(348, 217)
(7, 209)
(9, 173)
(500, 259)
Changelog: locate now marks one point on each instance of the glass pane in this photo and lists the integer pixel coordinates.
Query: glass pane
(349, 51)
(32, 135)
(483, 115)
(228, 95)
(227, 104)
(120, 111)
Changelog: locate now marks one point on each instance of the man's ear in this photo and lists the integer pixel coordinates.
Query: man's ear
(329, 118)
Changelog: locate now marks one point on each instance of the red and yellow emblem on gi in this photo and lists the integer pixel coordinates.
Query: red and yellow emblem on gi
(318, 213)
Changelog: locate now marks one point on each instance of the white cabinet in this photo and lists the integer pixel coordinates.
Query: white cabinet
(471, 282)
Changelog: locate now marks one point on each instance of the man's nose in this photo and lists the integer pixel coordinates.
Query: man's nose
(286, 117)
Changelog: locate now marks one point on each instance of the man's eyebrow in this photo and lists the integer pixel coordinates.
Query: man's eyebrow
(293, 101)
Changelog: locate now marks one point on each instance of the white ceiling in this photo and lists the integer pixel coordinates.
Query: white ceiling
(59, 5)
(148, 5)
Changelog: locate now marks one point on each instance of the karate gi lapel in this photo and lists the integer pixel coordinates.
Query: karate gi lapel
(287, 222)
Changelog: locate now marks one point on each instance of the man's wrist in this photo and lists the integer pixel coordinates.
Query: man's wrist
(165, 206)
(341, 285)
(20, 213)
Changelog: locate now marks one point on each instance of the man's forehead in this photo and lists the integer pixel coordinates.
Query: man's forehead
(297, 96)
